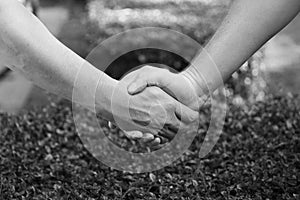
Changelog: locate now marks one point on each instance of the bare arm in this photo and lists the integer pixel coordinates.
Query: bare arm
(248, 26)
(28, 47)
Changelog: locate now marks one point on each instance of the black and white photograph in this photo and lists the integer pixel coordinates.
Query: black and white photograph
(149, 99)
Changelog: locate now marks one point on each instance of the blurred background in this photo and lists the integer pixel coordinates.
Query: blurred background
(82, 24)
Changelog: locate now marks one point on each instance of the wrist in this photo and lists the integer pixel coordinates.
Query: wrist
(104, 93)
(196, 81)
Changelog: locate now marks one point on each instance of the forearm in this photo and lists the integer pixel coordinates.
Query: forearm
(248, 26)
(28, 47)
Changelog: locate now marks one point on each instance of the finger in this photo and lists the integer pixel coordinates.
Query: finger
(173, 129)
(155, 142)
(168, 134)
(163, 139)
(146, 79)
(154, 148)
(185, 114)
(133, 135)
(147, 138)
(137, 86)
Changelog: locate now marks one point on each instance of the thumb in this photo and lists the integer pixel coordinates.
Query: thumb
(137, 86)
(185, 114)
(155, 77)
(140, 84)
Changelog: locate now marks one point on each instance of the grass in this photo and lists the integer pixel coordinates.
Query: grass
(257, 157)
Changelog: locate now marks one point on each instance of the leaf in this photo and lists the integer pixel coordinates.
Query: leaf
(152, 177)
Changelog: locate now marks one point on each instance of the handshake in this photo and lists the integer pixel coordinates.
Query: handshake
(152, 104)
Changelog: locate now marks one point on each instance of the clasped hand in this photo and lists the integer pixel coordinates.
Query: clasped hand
(159, 103)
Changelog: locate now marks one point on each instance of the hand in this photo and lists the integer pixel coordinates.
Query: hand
(180, 86)
(150, 111)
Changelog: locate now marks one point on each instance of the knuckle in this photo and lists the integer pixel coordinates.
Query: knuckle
(147, 67)
(154, 73)
(170, 103)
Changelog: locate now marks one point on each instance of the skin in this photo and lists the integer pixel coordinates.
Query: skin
(29, 48)
(247, 27)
